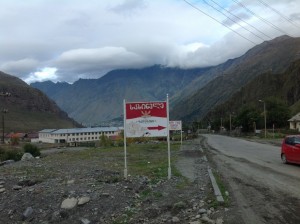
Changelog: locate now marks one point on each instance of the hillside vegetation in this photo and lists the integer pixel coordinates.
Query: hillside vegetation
(271, 57)
(268, 86)
(29, 109)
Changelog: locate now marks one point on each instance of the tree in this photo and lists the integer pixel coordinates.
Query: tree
(105, 141)
(277, 112)
(247, 116)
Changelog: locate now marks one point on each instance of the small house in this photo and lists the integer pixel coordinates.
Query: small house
(295, 122)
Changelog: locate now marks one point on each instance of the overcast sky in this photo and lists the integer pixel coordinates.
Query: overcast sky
(64, 40)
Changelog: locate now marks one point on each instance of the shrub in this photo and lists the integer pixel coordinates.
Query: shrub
(105, 141)
(2, 154)
(32, 149)
(15, 141)
(13, 154)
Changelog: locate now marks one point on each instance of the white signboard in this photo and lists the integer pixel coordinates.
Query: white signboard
(175, 125)
(146, 119)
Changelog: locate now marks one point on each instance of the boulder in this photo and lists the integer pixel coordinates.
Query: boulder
(27, 156)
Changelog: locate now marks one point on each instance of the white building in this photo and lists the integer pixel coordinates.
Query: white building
(295, 122)
(75, 135)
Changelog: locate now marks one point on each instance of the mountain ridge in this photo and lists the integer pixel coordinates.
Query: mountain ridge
(29, 109)
(193, 92)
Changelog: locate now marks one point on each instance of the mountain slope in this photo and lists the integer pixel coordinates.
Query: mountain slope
(284, 86)
(273, 56)
(29, 109)
(97, 100)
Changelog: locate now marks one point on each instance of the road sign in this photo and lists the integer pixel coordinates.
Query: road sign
(175, 125)
(146, 119)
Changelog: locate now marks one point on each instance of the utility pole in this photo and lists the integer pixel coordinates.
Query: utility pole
(265, 117)
(4, 111)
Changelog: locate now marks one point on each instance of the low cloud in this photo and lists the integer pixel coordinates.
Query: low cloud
(19, 67)
(86, 40)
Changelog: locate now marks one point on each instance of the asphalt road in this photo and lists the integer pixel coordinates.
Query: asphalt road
(264, 189)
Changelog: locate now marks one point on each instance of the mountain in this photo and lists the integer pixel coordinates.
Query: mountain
(92, 101)
(28, 108)
(283, 86)
(271, 56)
(193, 92)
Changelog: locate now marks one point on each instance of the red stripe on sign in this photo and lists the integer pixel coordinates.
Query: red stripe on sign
(146, 109)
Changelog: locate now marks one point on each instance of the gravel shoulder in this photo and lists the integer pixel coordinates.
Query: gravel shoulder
(78, 187)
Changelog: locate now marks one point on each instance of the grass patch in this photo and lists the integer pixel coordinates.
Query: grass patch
(223, 190)
(150, 160)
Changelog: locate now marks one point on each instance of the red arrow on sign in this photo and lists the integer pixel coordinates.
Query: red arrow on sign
(156, 128)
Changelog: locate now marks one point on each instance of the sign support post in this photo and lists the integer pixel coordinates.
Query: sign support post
(181, 136)
(168, 139)
(125, 145)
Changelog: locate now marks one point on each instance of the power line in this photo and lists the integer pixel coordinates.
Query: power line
(233, 20)
(279, 13)
(218, 21)
(244, 21)
(261, 18)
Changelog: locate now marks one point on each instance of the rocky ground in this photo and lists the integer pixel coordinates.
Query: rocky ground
(64, 187)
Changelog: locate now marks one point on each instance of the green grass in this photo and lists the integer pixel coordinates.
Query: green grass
(149, 160)
(222, 188)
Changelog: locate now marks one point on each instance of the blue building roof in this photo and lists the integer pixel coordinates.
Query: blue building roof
(79, 130)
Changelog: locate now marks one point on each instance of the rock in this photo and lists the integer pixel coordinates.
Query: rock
(2, 190)
(219, 221)
(207, 220)
(70, 182)
(69, 203)
(83, 200)
(202, 211)
(85, 221)
(7, 162)
(2, 182)
(27, 156)
(195, 222)
(179, 205)
(175, 219)
(17, 187)
(28, 212)
(105, 194)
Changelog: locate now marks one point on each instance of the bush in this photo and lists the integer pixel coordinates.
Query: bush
(2, 154)
(105, 141)
(10, 154)
(32, 149)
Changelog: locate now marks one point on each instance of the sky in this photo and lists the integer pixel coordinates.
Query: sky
(64, 40)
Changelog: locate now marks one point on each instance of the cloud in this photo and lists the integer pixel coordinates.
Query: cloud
(129, 6)
(87, 39)
(43, 75)
(19, 67)
(91, 62)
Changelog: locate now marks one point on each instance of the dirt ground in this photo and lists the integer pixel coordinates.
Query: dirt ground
(63, 187)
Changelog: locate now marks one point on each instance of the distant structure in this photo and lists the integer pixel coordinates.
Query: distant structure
(77, 135)
(295, 122)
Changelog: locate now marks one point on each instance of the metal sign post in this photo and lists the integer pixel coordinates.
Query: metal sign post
(168, 139)
(125, 146)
